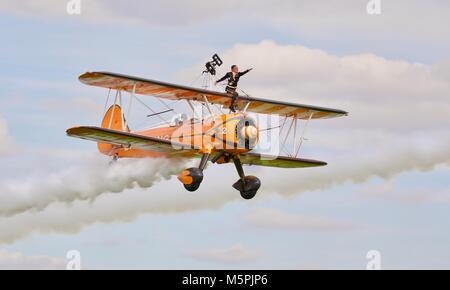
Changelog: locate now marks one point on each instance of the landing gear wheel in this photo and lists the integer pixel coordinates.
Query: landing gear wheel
(248, 187)
(191, 178)
(248, 194)
(192, 187)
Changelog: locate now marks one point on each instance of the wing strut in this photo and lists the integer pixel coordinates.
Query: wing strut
(130, 103)
(114, 105)
(296, 142)
(302, 137)
(205, 98)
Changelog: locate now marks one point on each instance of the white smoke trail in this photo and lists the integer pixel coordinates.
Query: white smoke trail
(381, 155)
(84, 182)
(400, 155)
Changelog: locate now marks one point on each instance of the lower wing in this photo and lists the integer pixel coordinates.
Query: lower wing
(131, 140)
(278, 161)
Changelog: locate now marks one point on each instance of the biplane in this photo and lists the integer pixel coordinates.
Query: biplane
(219, 138)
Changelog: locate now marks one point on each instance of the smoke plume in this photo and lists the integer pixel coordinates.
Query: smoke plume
(400, 155)
(84, 182)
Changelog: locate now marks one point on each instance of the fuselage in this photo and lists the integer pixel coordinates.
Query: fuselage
(232, 133)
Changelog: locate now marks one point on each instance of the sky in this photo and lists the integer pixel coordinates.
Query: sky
(386, 186)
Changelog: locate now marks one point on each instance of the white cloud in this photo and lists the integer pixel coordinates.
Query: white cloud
(233, 255)
(379, 93)
(18, 261)
(272, 218)
(6, 141)
(321, 20)
(406, 195)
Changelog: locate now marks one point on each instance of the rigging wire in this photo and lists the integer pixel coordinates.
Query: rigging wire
(167, 106)
(198, 77)
(268, 129)
(153, 111)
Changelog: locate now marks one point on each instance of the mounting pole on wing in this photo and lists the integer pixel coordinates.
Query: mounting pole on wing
(208, 75)
(207, 81)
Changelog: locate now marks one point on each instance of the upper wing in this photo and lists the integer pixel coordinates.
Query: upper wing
(177, 92)
(131, 140)
(280, 161)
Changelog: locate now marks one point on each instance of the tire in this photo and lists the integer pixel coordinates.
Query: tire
(192, 187)
(197, 177)
(249, 194)
(249, 188)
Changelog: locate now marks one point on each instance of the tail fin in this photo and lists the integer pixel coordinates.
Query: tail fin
(113, 120)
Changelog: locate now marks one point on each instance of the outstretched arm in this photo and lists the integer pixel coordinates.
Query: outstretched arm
(223, 78)
(244, 72)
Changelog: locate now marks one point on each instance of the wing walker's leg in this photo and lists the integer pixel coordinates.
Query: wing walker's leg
(234, 96)
(233, 102)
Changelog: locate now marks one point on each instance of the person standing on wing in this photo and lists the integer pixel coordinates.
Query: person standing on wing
(233, 79)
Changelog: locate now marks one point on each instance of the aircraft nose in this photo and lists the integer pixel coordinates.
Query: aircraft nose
(249, 132)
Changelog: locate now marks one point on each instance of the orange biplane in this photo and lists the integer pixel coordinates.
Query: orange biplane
(218, 138)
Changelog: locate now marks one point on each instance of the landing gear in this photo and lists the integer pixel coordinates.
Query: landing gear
(248, 185)
(193, 177)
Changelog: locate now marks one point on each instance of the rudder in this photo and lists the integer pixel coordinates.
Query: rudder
(113, 120)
